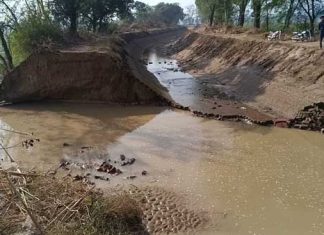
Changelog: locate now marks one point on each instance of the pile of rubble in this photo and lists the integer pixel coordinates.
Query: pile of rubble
(310, 118)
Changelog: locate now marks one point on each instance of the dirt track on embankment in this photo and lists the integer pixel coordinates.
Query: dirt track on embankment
(275, 78)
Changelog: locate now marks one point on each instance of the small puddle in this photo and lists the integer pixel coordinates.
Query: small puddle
(246, 179)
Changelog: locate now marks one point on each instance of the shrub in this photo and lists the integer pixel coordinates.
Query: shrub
(33, 33)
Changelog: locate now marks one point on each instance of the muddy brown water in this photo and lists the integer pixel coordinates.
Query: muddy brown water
(244, 179)
(205, 95)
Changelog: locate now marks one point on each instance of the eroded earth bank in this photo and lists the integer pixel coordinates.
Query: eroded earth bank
(188, 174)
(276, 78)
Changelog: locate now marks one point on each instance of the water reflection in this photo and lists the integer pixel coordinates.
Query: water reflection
(250, 180)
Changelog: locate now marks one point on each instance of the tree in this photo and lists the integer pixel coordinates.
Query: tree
(168, 13)
(219, 11)
(242, 9)
(124, 9)
(312, 8)
(257, 7)
(67, 11)
(190, 14)
(291, 8)
(7, 24)
(96, 12)
(142, 11)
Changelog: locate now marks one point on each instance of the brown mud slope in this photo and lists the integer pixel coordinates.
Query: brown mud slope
(104, 71)
(276, 78)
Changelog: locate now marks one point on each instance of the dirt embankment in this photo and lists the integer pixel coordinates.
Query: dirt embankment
(276, 78)
(107, 70)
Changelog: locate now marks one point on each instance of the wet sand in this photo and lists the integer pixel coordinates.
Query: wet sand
(232, 178)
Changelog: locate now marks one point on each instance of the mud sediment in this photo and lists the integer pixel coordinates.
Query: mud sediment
(164, 211)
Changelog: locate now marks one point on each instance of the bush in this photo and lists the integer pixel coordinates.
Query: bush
(33, 33)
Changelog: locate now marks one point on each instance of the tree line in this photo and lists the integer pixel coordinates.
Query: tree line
(267, 14)
(26, 25)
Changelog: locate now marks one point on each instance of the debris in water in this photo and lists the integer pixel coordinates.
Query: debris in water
(128, 162)
(79, 178)
(97, 177)
(29, 143)
(86, 147)
(122, 157)
(64, 165)
(108, 168)
(131, 177)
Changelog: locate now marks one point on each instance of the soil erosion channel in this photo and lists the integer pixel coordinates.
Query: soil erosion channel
(197, 176)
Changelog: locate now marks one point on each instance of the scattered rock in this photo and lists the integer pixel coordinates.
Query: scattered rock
(310, 118)
(64, 164)
(108, 168)
(97, 177)
(86, 147)
(128, 162)
(122, 157)
(144, 173)
(29, 143)
(66, 145)
(79, 178)
(131, 177)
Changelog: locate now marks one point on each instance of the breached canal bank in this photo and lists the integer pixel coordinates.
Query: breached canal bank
(111, 70)
(108, 70)
(202, 176)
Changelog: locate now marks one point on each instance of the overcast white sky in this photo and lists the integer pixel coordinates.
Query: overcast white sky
(182, 3)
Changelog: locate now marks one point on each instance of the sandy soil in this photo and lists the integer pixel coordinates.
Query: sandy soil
(278, 78)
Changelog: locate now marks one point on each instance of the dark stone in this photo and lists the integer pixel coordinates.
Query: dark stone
(131, 177)
(97, 177)
(122, 157)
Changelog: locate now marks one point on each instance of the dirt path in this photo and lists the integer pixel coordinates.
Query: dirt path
(260, 37)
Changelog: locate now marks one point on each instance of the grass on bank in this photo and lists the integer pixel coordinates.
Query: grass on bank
(48, 205)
